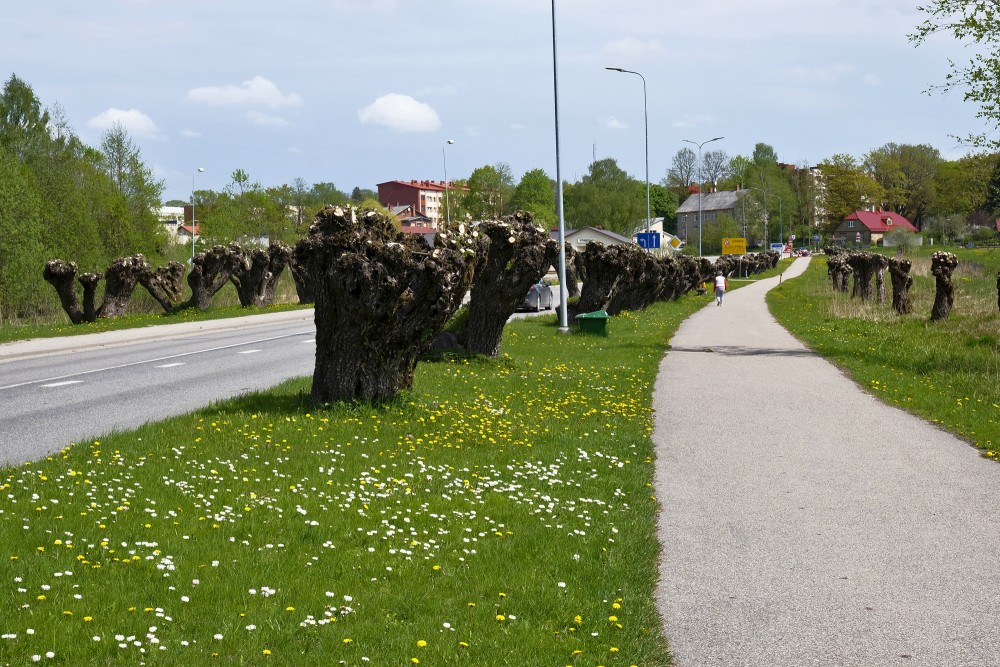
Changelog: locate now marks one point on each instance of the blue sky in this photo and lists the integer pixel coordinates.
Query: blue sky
(357, 92)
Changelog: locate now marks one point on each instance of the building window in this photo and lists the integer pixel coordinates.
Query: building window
(850, 224)
(888, 222)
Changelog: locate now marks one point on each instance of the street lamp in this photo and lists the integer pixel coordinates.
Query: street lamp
(701, 222)
(200, 170)
(563, 292)
(645, 116)
(444, 158)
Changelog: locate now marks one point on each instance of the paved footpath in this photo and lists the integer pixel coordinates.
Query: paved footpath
(806, 523)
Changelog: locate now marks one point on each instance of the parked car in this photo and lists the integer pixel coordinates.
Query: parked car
(539, 297)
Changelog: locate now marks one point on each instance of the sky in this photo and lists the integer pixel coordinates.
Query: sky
(358, 92)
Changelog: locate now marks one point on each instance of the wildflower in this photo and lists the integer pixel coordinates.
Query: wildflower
(501, 617)
(421, 643)
(348, 640)
(266, 651)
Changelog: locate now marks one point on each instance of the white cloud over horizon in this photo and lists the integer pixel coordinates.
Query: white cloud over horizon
(401, 113)
(256, 92)
(134, 121)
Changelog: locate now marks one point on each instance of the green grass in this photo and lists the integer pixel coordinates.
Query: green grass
(501, 512)
(947, 372)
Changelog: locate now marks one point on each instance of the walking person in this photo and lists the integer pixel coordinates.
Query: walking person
(721, 285)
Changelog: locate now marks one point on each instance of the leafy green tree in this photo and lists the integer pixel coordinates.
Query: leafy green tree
(907, 176)
(507, 187)
(663, 204)
(23, 122)
(713, 233)
(962, 186)
(976, 23)
(132, 225)
(246, 213)
(606, 197)
(536, 194)
(359, 194)
(322, 194)
(484, 198)
(946, 228)
(848, 188)
(22, 253)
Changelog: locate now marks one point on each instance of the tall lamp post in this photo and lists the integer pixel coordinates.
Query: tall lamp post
(701, 222)
(563, 292)
(645, 116)
(200, 170)
(444, 159)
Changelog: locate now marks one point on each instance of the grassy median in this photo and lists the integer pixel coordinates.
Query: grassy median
(947, 372)
(500, 513)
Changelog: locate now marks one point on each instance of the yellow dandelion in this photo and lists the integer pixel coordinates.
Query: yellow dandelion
(421, 643)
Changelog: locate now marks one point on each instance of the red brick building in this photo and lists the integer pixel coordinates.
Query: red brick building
(424, 197)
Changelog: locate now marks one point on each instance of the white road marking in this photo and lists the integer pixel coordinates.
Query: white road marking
(249, 351)
(150, 361)
(63, 384)
(170, 365)
(309, 342)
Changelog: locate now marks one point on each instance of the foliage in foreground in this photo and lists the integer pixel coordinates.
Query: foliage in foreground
(947, 371)
(499, 514)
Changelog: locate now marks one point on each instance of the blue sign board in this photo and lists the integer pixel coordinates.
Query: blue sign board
(648, 240)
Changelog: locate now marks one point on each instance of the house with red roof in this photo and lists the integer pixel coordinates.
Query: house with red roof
(867, 228)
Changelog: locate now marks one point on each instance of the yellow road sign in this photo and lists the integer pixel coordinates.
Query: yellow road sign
(734, 246)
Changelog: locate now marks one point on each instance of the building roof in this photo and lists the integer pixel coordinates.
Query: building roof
(435, 186)
(879, 222)
(712, 201)
(554, 233)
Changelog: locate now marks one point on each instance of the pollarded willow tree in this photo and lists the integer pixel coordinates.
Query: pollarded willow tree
(256, 272)
(518, 253)
(120, 280)
(381, 298)
(943, 264)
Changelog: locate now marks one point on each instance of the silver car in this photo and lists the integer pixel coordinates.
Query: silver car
(539, 297)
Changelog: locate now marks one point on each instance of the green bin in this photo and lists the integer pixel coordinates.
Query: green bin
(594, 323)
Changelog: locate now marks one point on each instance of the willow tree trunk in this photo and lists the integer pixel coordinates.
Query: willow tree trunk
(517, 255)
(864, 265)
(62, 276)
(574, 272)
(119, 282)
(381, 298)
(209, 273)
(998, 290)
(645, 279)
(881, 264)
(303, 286)
(256, 272)
(605, 267)
(165, 284)
(943, 264)
(902, 281)
(90, 281)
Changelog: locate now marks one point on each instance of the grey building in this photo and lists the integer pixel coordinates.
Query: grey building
(713, 205)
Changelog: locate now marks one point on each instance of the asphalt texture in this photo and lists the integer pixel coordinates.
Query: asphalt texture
(806, 523)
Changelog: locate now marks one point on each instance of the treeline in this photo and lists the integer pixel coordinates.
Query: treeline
(62, 198)
(950, 200)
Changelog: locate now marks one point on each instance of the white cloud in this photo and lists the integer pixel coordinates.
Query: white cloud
(871, 80)
(136, 122)
(259, 118)
(612, 123)
(257, 92)
(632, 48)
(401, 113)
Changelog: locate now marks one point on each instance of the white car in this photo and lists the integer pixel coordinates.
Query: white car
(539, 297)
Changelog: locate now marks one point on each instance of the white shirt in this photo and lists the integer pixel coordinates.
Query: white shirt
(720, 282)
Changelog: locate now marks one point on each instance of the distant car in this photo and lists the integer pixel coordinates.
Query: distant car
(539, 297)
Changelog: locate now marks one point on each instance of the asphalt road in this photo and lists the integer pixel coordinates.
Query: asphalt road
(806, 523)
(54, 392)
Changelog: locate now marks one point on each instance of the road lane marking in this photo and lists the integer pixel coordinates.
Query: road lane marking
(179, 363)
(153, 361)
(249, 351)
(62, 384)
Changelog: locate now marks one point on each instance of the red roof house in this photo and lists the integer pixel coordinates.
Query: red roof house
(868, 227)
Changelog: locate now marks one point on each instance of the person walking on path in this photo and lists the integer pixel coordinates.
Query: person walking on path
(808, 523)
(721, 285)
